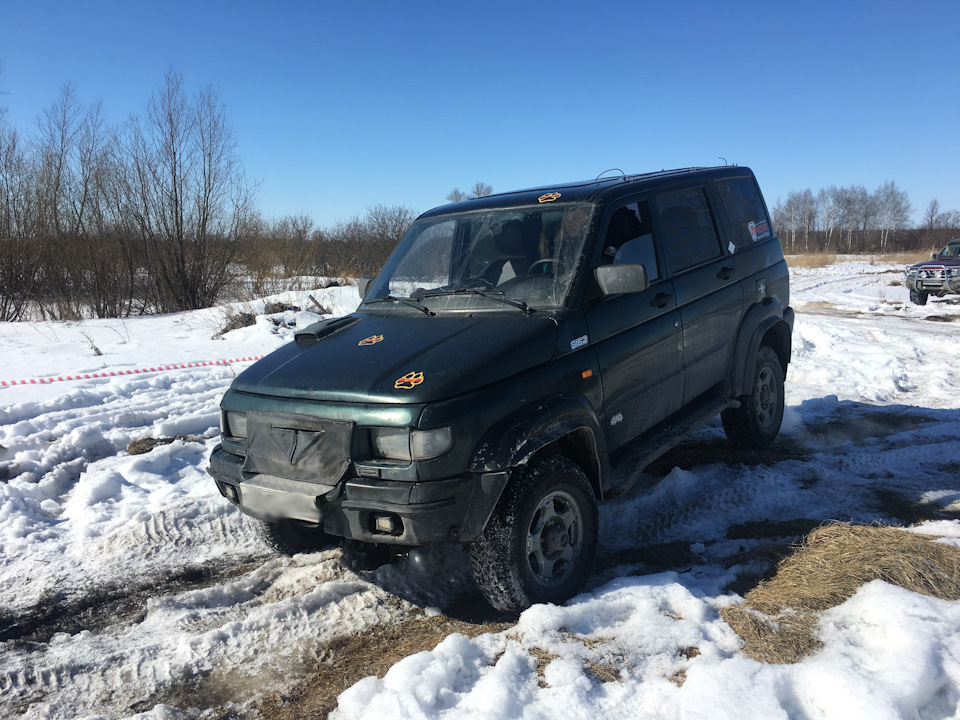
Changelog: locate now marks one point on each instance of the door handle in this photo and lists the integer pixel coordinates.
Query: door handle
(660, 300)
(725, 273)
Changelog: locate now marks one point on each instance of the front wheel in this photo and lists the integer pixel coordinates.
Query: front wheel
(540, 541)
(755, 424)
(918, 298)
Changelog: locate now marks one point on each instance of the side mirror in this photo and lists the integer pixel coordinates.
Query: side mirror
(621, 279)
(363, 285)
(934, 256)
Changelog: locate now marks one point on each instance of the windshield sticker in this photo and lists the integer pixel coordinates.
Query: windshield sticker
(731, 248)
(759, 230)
(372, 340)
(549, 197)
(579, 342)
(409, 381)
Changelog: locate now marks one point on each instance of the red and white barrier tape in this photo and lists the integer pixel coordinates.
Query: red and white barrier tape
(118, 373)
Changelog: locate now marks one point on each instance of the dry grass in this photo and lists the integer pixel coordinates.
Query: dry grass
(902, 258)
(779, 617)
(347, 660)
(812, 260)
(603, 669)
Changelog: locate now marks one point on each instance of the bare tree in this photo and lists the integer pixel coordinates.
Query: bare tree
(188, 194)
(893, 212)
(19, 261)
(480, 189)
(930, 216)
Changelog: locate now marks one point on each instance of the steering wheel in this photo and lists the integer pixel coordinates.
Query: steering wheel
(547, 267)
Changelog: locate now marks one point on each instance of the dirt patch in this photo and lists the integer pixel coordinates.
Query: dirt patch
(107, 606)
(820, 304)
(942, 318)
(771, 529)
(142, 446)
(859, 429)
(235, 322)
(347, 660)
(696, 453)
(780, 615)
(654, 558)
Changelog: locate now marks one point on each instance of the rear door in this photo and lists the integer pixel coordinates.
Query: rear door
(708, 294)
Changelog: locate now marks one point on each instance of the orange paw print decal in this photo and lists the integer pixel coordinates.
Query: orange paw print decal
(372, 340)
(409, 381)
(549, 197)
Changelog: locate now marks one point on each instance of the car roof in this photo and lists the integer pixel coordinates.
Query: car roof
(603, 188)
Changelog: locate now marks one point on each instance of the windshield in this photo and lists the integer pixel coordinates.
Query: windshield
(952, 250)
(480, 260)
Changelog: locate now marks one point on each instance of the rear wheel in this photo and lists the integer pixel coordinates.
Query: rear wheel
(289, 537)
(540, 542)
(918, 298)
(756, 423)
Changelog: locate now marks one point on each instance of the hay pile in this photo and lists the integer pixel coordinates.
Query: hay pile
(780, 615)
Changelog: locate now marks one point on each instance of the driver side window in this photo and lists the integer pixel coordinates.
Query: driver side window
(629, 239)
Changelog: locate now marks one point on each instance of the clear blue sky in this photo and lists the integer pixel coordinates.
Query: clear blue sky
(340, 106)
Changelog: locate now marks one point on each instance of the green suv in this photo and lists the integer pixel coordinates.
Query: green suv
(514, 349)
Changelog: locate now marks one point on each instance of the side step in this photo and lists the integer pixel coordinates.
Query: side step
(635, 456)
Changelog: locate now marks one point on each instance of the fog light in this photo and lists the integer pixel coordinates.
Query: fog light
(390, 524)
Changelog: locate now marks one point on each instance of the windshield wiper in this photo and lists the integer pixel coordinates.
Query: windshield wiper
(406, 301)
(496, 295)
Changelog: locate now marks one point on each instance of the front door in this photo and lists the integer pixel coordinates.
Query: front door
(636, 336)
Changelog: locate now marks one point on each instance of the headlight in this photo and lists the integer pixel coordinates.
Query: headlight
(233, 424)
(406, 444)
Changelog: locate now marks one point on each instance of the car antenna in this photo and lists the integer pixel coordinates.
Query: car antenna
(622, 174)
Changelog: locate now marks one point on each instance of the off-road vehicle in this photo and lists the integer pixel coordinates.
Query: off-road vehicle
(513, 350)
(938, 276)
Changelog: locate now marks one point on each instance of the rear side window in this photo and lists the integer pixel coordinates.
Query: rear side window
(744, 209)
(689, 235)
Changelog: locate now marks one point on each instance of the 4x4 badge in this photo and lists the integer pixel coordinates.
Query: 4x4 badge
(409, 381)
(372, 340)
(549, 197)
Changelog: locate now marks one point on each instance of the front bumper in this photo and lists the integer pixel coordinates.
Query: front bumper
(935, 285)
(453, 510)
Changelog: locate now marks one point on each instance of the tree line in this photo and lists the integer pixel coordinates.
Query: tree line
(854, 220)
(157, 215)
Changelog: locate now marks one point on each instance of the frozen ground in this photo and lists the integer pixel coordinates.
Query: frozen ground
(128, 586)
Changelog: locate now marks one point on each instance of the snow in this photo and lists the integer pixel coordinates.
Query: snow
(130, 588)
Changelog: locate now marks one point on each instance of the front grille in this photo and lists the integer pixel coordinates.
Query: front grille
(297, 447)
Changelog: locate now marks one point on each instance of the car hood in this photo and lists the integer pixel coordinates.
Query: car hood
(939, 262)
(401, 359)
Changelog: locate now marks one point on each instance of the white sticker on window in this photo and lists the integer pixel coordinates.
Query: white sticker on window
(731, 248)
(759, 230)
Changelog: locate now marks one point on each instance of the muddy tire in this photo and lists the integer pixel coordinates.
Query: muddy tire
(756, 423)
(918, 298)
(289, 537)
(540, 542)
